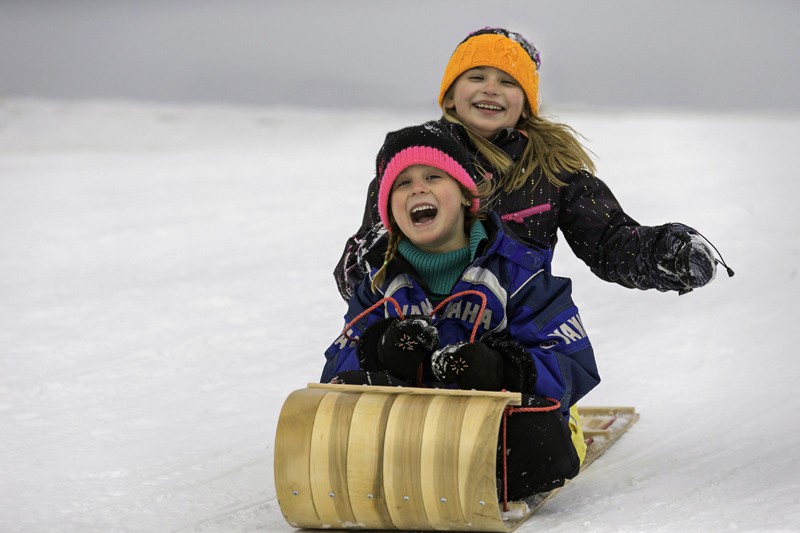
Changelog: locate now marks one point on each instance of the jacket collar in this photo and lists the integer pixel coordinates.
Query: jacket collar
(510, 140)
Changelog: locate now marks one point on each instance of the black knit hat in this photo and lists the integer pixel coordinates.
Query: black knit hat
(430, 144)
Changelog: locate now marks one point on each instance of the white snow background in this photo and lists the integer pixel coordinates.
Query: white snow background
(165, 283)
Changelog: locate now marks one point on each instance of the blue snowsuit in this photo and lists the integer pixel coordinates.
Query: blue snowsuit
(523, 301)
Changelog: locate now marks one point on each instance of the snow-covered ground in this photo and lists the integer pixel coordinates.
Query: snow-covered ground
(165, 283)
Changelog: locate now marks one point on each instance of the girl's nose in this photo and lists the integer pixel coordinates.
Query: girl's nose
(490, 87)
(420, 186)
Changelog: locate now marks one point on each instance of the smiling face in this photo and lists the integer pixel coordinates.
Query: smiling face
(428, 206)
(487, 100)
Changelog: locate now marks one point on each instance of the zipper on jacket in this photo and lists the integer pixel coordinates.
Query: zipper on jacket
(519, 216)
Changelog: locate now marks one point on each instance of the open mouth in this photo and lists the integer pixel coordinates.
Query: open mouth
(423, 213)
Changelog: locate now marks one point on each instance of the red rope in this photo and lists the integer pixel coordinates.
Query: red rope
(474, 328)
(508, 411)
(556, 405)
(432, 313)
(435, 310)
(480, 313)
(368, 311)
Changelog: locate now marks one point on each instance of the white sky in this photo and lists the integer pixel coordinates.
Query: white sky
(633, 54)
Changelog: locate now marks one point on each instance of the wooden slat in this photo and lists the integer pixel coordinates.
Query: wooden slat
(476, 464)
(365, 461)
(292, 453)
(328, 459)
(611, 423)
(441, 438)
(401, 461)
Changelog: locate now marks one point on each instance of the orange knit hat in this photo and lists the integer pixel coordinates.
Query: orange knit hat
(498, 48)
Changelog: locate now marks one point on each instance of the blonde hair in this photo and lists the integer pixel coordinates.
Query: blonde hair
(396, 235)
(552, 147)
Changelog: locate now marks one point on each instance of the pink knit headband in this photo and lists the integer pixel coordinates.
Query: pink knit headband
(421, 155)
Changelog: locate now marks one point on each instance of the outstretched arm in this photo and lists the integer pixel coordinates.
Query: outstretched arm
(670, 257)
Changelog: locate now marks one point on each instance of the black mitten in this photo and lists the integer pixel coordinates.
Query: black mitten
(471, 366)
(405, 343)
(681, 253)
(368, 345)
(519, 372)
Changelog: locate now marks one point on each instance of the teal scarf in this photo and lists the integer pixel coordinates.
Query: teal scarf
(441, 271)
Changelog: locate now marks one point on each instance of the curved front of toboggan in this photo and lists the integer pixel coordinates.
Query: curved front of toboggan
(357, 457)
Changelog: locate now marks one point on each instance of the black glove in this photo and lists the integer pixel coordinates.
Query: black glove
(519, 372)
(363, 377)
(682, 255)
(368, 346)
(471, 366)
(404, 345)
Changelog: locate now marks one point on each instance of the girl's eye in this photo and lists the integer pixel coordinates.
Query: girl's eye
(400, 183)
(434, 177)
(510, 83)
(475, 77)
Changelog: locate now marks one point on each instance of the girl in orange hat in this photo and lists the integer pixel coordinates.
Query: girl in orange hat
(542, 178)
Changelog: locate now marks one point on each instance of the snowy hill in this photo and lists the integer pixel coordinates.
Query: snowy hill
(166, 282)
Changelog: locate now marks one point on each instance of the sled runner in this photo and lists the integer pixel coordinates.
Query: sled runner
(358, 457)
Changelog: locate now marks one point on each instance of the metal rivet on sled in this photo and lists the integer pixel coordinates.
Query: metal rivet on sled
(331, 494)
(295, 492)
(443, 500)
(406, 498)
(482, 502)
(370, 496)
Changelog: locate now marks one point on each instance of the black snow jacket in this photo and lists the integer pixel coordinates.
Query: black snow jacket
(610, 242)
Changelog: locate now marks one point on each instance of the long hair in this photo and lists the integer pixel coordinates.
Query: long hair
(396, 235)
(552, 147)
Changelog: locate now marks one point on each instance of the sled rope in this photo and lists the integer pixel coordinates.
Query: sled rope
(474, 327)
(401, 316)
(435, 310)
(368, 311)
(480, 312)
(508, 411)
